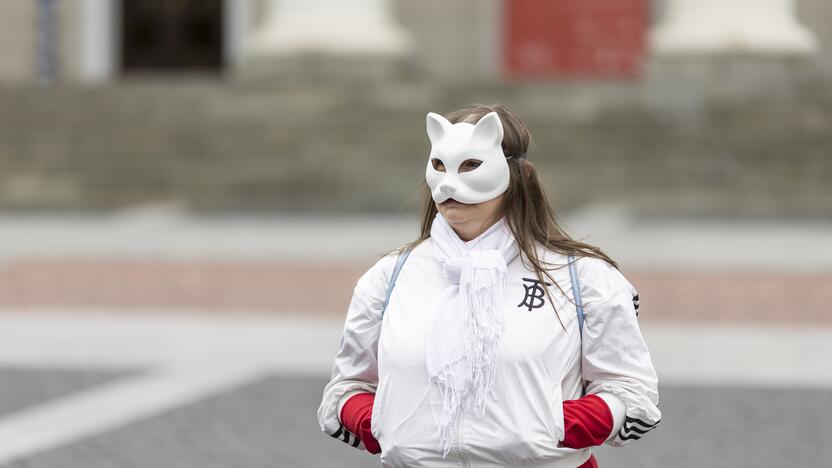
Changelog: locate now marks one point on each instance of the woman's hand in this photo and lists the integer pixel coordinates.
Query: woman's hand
(356, 416)
(588, 421)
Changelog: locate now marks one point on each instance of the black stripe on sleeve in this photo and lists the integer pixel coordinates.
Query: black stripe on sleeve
(629, 437)
(631, 420)
(635, 429)
(631, 432)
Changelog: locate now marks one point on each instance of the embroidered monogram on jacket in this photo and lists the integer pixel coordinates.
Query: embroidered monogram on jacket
(534, 294)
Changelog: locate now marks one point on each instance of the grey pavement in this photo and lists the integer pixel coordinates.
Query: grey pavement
(25, 387)
(177, 389)
(271, 422)
(168, 231)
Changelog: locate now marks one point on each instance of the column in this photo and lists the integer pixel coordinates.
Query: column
(98, 42)
(328, 27)
(716, 27)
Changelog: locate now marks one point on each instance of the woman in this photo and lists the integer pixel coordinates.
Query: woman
(481, 357)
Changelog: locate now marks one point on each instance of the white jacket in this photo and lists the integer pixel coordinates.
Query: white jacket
(539, 364)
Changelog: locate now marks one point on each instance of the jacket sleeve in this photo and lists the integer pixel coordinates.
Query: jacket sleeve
(355, 368)
(616, 363)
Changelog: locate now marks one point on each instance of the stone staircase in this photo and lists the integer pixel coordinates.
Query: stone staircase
(333, 148)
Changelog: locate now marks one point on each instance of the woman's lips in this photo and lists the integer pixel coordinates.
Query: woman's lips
(451, 201)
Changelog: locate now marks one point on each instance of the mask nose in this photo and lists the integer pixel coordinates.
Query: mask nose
(447, 189)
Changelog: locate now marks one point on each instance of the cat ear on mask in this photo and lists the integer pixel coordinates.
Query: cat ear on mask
(489, 130)
(437, 126)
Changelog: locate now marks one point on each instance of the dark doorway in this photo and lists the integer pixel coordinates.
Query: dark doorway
(171, 35)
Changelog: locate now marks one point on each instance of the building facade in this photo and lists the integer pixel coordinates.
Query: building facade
(99, 41)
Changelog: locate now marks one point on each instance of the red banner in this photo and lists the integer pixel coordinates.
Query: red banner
(574, 38)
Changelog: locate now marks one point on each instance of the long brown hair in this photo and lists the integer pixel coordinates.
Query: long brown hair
(526, 207)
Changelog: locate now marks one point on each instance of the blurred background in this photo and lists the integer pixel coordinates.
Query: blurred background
(190, 189)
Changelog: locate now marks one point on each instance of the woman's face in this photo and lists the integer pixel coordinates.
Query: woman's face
(477, 215)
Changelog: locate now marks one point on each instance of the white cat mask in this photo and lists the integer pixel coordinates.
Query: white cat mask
(453, 144)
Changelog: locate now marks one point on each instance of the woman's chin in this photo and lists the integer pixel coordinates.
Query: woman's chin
(456, 214)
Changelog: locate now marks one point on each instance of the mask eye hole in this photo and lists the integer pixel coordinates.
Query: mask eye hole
(437, 164)
(469, 165)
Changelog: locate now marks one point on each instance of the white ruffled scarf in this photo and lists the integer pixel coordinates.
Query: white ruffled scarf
(462, 344)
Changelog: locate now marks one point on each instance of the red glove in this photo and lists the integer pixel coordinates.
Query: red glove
(587, 422)
(591, 463)
(356, 416)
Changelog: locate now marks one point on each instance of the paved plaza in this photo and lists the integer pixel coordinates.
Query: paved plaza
(152, 339)
(183, 390)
